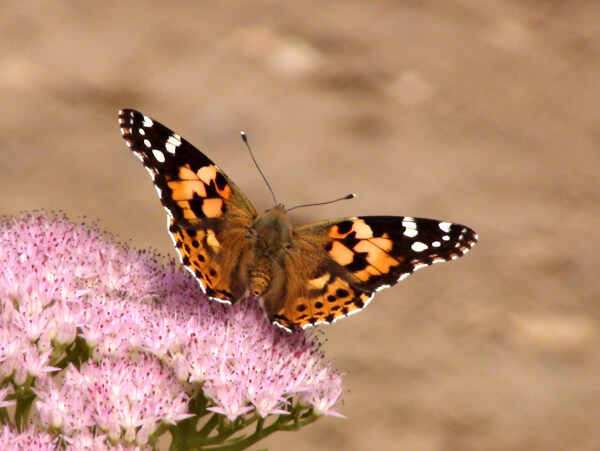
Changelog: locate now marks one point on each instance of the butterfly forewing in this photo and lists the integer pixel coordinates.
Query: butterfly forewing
(190, 186)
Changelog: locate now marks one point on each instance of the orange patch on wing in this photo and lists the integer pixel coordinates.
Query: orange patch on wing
(207, 174)
(377, 255)
(212, 208)
(185, 173)
(319, 282)
(366, 274)
(183, 190)
(384, 243)
(362, 229)
(382, 261)
(212, 240)
(340, 253)
(225, 192)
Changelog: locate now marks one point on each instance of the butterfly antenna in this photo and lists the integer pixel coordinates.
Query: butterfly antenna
(349, 196)
(245, 139)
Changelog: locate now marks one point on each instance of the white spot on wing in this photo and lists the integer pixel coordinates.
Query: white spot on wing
(436, 244)
(173, 142)
(147, 143)
(410, 227)
(141, 131)
(160, 157)
(445, 226)
(417, 246)
(174, 139)
(147, 122)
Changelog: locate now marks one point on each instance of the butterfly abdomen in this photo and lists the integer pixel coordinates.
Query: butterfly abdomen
(261, 275)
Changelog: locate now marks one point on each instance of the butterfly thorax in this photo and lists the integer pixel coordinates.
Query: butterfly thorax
(272, 231)
(272, 235)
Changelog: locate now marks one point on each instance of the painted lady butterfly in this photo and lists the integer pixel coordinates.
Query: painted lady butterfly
(303, 276)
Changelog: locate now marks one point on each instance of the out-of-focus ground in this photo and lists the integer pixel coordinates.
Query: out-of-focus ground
(485, 113)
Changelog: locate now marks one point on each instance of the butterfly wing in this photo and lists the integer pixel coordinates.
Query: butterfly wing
(209, 216)
(353, 258)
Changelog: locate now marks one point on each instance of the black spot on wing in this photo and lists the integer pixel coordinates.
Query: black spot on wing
(221, 181)
(341, 293)
(350, 240)
(196, 206)
(359, 262)
(345, 226)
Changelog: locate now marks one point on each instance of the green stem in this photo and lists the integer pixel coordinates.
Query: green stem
(217, 434)
(4, 416)
(209, 426)
(24, 404)
(77, 353)
(281, 424)
(181, 432)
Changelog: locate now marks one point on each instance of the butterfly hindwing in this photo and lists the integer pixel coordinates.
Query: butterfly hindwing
(207, 212)
(356, 257)
(216, 256)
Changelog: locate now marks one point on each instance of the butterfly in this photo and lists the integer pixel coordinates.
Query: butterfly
(303, 276)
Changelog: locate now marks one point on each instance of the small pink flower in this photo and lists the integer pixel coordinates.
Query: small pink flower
(36, 364)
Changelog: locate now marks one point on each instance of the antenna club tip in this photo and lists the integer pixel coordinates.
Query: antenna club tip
(351, 196)
(244, 137)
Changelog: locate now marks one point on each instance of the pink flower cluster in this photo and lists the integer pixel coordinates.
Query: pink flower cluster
(132, 341)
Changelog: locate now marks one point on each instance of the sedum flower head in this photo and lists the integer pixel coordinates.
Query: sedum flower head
(112, 347)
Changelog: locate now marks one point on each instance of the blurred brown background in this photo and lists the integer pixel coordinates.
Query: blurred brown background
(484, 113)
